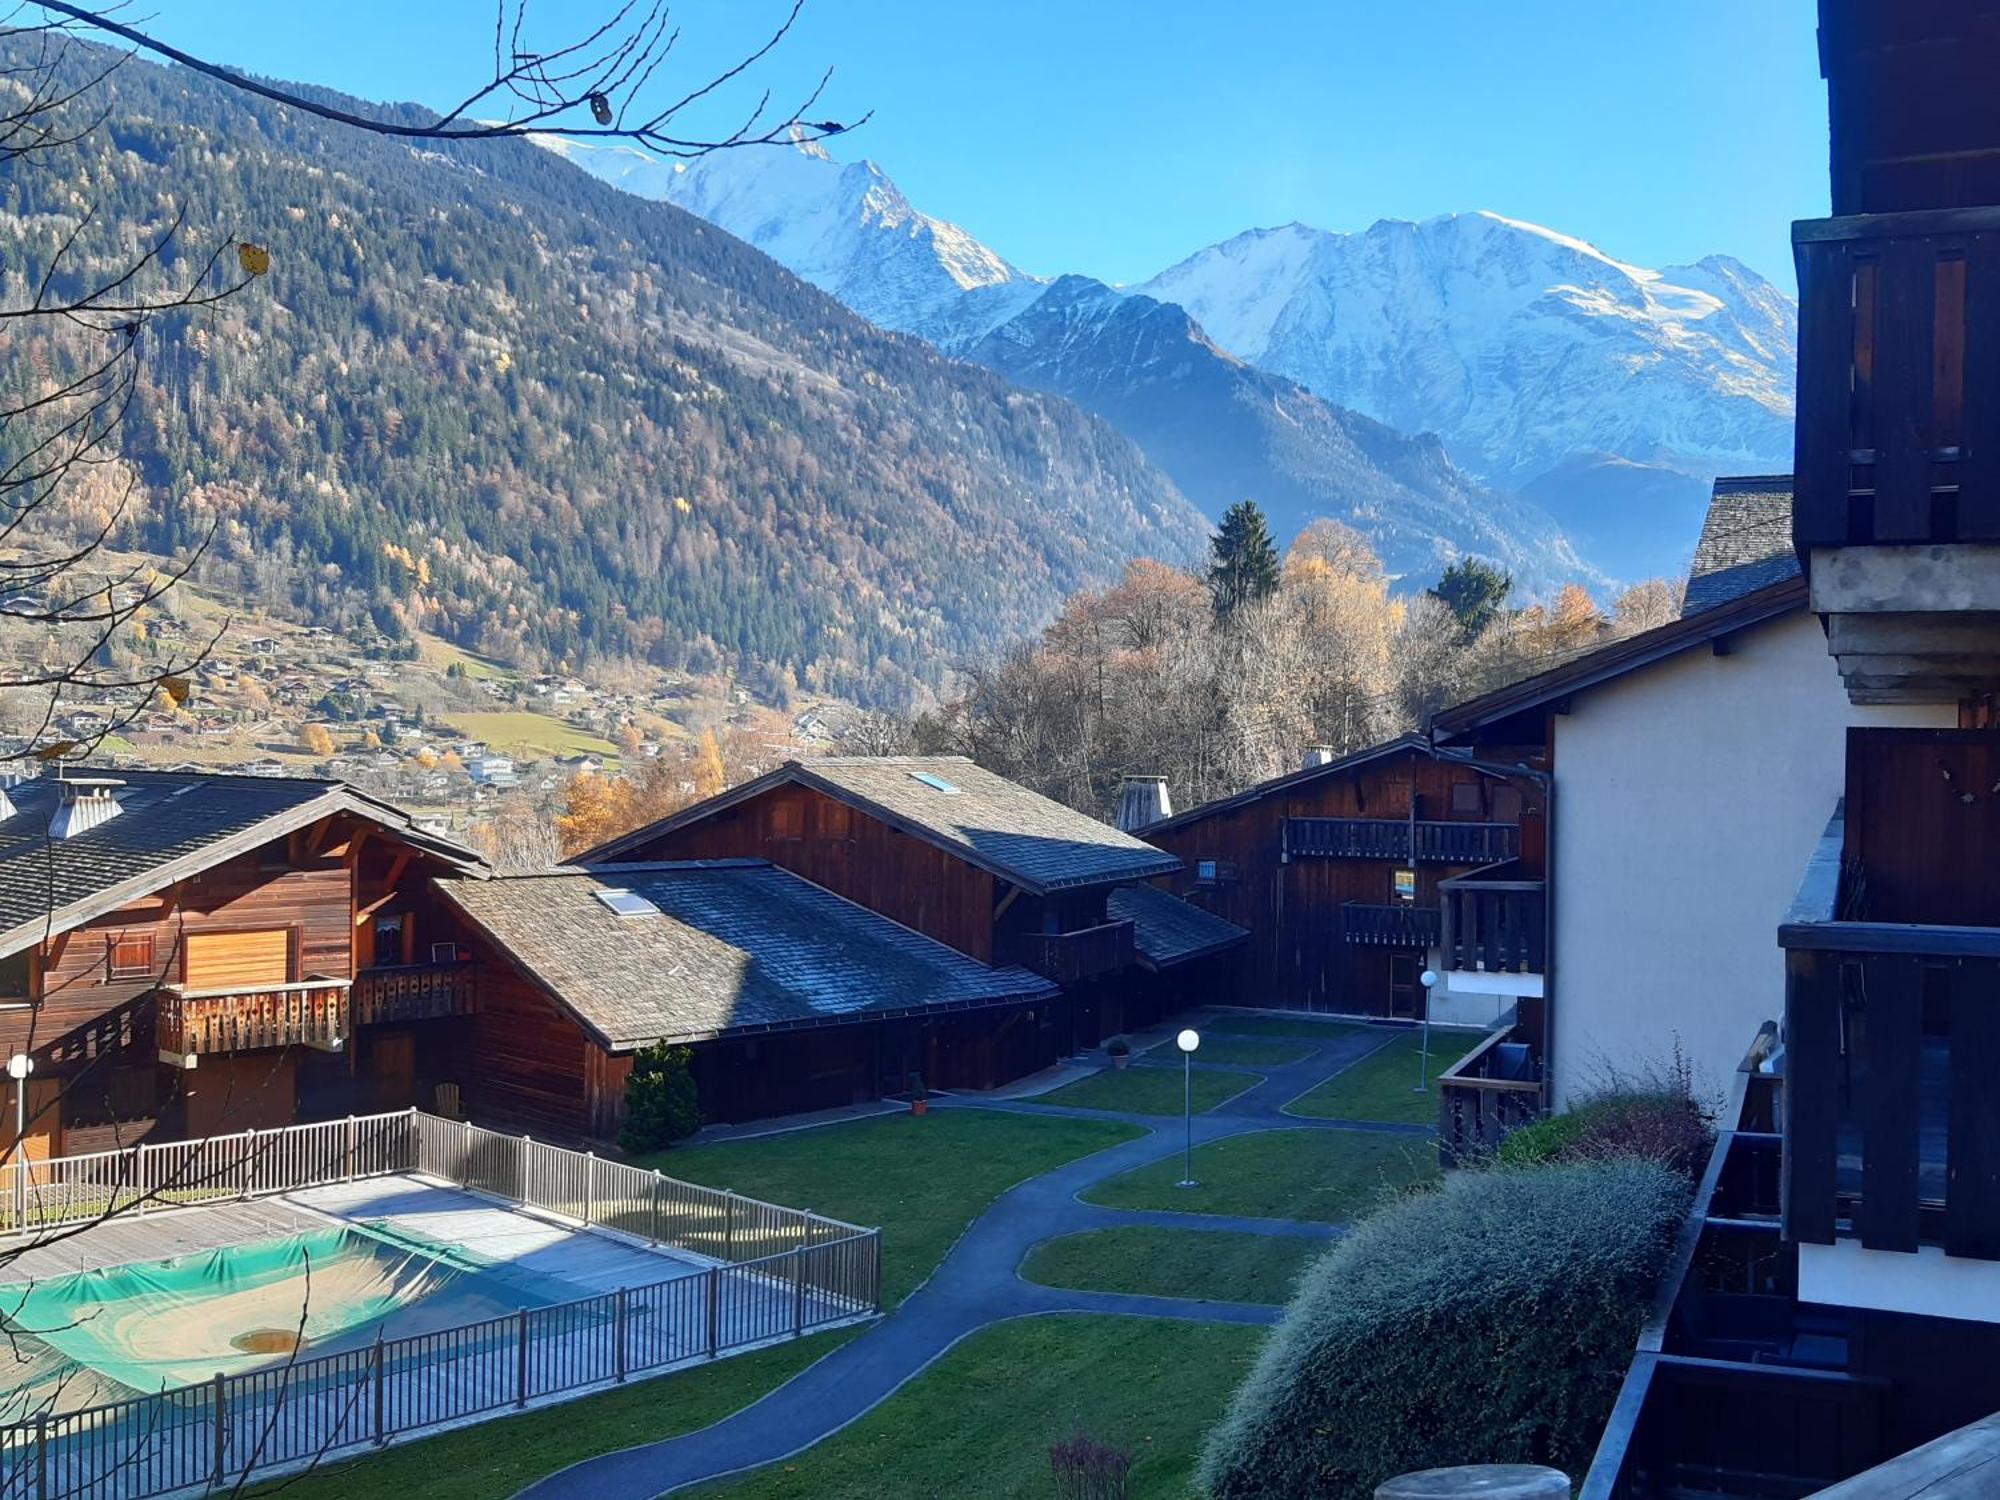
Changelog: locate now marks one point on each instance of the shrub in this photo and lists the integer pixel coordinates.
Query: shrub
(1118, 1047)
(1490, 1322)
(661, 1105)
(1086, 1469)
(1655, 1117)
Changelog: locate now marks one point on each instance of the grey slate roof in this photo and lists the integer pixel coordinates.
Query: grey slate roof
(989, 821)
(171, 824)
(1746, 542)
(1169, 930)
(738, 945)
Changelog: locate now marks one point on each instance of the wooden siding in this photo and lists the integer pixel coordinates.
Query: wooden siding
(523, 1059)
(1923, 827)
(856, 856)
(1295, 956)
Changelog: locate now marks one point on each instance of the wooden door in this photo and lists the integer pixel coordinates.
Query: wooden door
(1403, 985)
(392, 1063)
(237, 960)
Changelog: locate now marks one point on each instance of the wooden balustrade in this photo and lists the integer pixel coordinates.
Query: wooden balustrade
(1495, 922)
(308, 1013)
(1070, 957)
(414, 992)
(1393, 925)
(1484, 1096)
(1899, 321)
(1395, 838)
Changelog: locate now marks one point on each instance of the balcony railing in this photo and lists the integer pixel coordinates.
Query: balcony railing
(1071, 957)
(1892, 1037)
(308, 1013)
(1495, 922)
(413, 992)
(1393, 838)
(1396, 925)
(1899, 317)
(1494, 1089)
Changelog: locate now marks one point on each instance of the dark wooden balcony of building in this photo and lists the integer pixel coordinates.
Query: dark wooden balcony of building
(1495, 920)
(318, 1011)
(1418, 841)
(1892, 1003)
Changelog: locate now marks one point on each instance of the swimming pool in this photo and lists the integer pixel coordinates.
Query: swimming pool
(104, 1334)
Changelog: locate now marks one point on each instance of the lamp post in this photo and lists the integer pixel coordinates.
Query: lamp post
(1428, 978)
(1188, 1040)
(19, 1066)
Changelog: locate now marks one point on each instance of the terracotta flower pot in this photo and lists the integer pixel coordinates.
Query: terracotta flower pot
(920, 1106)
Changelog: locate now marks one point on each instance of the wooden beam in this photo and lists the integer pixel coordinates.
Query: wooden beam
(1013, 894)
(402, 863)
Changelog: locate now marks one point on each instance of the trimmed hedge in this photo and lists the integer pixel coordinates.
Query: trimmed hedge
(1659, 1124)
(1490, 1322)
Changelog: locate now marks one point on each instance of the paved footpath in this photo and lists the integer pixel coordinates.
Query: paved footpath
(977, 1284)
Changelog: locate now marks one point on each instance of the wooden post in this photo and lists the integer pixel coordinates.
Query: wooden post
(521, 1361)
(218, 1402)
(618, 1335)
(714, 1310)
(381, 1420)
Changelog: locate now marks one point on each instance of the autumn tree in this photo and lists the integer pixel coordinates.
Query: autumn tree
(710, 774)
(316, 740)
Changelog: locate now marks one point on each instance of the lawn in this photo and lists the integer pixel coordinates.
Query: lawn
(1149, 1091)
(1208, 1265)
(529, 736)
(1383, 1085)
(920, 1180)
(1300, 1026)
(500, 1457)
(1330, 1175)
(1243, 1052)
(980, 1420)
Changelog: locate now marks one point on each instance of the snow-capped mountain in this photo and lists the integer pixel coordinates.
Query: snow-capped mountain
(1596, 392)
(1518, 346)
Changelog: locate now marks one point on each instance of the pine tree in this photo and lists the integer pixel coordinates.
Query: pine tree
(1475, 592)
(1245, 563)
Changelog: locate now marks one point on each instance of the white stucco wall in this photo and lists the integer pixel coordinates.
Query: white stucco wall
(1688, 796)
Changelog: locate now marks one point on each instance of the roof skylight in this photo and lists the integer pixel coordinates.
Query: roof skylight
(935, 782)
(627, 903)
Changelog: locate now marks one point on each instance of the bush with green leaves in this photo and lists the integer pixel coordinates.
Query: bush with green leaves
(661, 1104)
(1489, 1322)
(1653, 1116)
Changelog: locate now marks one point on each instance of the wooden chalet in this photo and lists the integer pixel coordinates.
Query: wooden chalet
(1350, 872)
(196, 954)
(966, 857)
(790, 997)
(1836, 1322)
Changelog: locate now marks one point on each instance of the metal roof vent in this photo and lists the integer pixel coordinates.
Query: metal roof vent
(86, 801)
(1319, 755)
(1142, 801)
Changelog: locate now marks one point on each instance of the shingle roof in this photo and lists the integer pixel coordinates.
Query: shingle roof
(987, 820)
(1167, 929)
(1746, 542)
(737, 945)
(170, 825)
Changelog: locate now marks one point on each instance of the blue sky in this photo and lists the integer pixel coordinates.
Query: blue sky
(1112, 137)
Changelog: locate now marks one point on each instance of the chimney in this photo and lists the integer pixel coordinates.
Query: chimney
(1142, 802)
(8, 781)
(1319, 755)
(86, 801)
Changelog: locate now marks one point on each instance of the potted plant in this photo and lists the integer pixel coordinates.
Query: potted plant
(1119, 1051)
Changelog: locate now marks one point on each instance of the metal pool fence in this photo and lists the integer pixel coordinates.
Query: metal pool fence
(779, 1273)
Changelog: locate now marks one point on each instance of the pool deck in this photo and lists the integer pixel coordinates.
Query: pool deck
(588, 1259)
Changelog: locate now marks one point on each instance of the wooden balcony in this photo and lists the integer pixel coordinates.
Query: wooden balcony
(1393, 925)
(1495, 922)
(1072, 957)
(308, 1013)
(1394, 838)
(1892, 1130)
(1494, 1089)
(1896, 511)
(394, 993)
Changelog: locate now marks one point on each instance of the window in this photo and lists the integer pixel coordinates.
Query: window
(1465, 799)
(1214, 871)
(935, 782)
(131, 955)
(14, 976)
(628, 903)
(448, 953)
(1404, 885)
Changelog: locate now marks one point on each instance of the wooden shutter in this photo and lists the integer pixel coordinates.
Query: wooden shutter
(238, 960)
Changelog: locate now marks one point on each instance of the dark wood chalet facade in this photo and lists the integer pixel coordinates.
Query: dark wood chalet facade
(202, 954)
(1350, 873)
(985, 866)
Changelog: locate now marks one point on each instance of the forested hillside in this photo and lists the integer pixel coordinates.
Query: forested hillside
(483, 393)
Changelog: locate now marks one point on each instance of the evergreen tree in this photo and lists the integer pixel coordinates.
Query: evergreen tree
(661, 1104)
(1244, 568)
(1475, 592)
